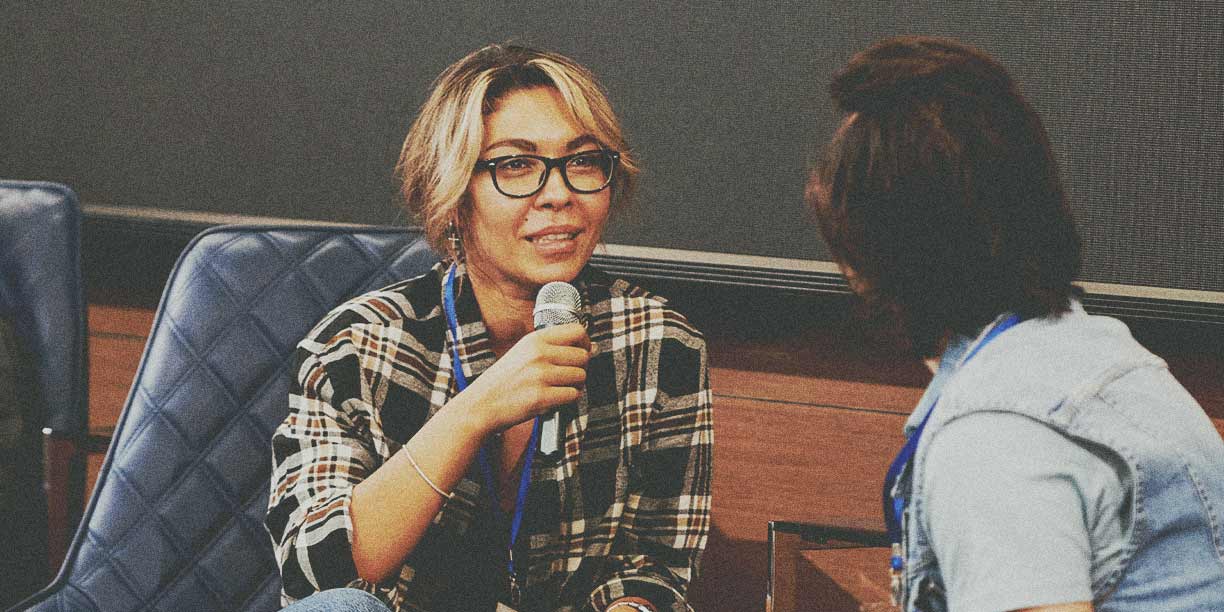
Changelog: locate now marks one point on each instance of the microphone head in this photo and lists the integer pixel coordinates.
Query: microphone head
(557, 303)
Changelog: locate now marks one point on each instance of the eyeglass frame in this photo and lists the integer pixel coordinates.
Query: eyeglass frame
(549, 164)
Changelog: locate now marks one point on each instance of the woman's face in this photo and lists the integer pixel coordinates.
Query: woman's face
(519, 244)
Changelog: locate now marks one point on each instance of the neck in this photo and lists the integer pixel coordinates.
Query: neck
(507, 311)
(932, 363)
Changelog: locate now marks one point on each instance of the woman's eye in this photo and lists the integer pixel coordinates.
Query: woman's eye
(586, 162)
(517, 166)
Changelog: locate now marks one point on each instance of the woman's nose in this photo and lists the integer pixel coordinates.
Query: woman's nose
(555, 193)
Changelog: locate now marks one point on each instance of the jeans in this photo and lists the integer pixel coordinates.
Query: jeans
(339, 600)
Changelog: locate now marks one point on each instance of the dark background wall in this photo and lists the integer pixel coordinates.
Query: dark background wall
(298, 109)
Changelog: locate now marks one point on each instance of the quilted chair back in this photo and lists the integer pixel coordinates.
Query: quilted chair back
(42, 293)
(176, 520)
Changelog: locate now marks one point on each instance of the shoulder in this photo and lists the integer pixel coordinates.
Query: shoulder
(1034, 367)
(413, 306)
(988, 460)
(990, 446)
(628, 308)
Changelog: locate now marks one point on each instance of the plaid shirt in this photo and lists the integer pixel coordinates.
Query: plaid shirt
(624, 511)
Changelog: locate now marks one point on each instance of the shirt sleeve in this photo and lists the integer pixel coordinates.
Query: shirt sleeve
(319, 455)
(1009, 504)
(667, 514)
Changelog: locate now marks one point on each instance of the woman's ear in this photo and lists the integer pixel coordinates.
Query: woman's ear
(857, 284)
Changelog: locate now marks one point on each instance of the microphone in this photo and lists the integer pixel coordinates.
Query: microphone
(557, 303)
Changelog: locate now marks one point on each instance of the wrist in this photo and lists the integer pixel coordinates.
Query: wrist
(461, 419)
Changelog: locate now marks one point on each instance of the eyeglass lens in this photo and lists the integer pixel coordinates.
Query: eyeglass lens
(584, 173)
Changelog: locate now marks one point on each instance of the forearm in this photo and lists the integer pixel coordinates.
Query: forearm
(392, 509)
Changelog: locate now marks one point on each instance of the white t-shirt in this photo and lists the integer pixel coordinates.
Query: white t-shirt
(1019, 515)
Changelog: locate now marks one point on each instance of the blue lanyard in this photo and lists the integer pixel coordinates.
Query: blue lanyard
(486, 469)
(894, 507)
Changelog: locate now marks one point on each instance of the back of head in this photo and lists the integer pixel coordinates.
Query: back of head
(941, 193)
(444, 141)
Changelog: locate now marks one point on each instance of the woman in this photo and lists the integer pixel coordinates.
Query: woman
(1053, 463)
(408, 464)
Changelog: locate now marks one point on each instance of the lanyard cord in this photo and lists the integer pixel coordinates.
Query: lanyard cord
(486, 469)
(448, 303)
(894, 507)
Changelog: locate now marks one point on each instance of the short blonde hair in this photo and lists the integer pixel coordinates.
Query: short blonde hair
(443, 144)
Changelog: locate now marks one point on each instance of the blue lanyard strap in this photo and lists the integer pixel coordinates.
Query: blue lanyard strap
(486, 469)
(448, 303)
(894, 507)
(520, 500)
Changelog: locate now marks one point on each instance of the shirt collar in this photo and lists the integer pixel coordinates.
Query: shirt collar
(949, 362)
(958, 345)
(475, 351)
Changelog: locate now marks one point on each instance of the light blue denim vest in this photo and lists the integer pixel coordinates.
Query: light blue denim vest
(1087, 378)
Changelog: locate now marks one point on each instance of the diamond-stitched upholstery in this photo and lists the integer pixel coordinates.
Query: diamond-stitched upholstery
(176, 521)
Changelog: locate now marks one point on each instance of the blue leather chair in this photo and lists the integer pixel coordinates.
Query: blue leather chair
(176, 518)
(41, 295)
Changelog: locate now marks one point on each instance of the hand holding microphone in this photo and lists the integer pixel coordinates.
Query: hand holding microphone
(556, 304)
(544, 370)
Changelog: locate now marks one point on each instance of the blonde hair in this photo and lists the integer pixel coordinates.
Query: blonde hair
(443, 144)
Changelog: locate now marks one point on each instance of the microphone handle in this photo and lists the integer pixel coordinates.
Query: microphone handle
(566, 301)
(550, 433)
(550, 430)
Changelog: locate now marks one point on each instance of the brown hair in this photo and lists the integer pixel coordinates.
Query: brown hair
(940, 192)
(444, 141)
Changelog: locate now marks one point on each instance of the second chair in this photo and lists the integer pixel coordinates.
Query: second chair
(176, 520)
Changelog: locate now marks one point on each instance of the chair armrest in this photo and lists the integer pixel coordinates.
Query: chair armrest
(788, 542)
(64, 484)
(833, 535)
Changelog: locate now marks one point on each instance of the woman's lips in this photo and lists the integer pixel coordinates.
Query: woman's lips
(555, 243)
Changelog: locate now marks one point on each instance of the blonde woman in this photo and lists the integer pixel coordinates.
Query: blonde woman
(408, 466)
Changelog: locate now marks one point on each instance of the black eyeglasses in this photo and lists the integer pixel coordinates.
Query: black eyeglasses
(520, 176)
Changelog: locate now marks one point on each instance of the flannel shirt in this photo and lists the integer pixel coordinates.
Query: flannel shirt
(624, 511)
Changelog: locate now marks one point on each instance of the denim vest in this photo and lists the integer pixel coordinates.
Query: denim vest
(1087, 378)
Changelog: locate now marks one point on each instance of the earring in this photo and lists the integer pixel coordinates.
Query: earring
(456, 242)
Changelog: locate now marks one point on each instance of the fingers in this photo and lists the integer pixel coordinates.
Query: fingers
(564, 345)
(552, 397)
(544, 370)
(568, 356)
(562, 376)
(570, 334)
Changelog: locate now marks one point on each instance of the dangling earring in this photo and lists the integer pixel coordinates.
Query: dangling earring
(456, 242)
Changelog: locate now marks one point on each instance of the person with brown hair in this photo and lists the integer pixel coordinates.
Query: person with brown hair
(408, 464)
(1053, 463)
